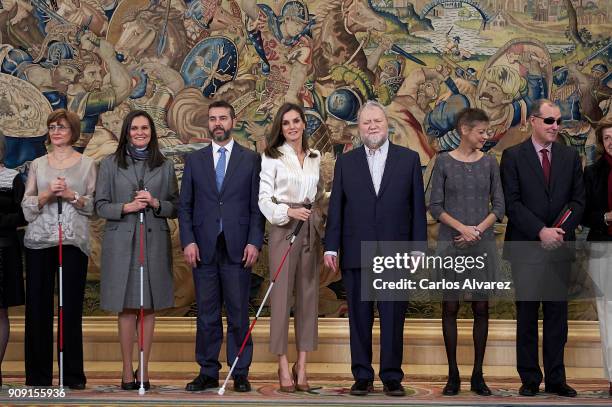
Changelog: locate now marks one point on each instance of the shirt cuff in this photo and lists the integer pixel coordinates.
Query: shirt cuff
(331, 253)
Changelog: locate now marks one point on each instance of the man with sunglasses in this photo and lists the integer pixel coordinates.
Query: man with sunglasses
(541, 180)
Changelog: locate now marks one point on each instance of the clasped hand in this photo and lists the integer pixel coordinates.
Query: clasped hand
(469, 235)
(59, 189)
(142, 199)
(551, 238)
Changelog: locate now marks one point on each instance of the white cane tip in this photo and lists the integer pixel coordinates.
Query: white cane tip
(141, 391)
(221, 391)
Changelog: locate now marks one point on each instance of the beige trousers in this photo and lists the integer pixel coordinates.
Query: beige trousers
(300, 273)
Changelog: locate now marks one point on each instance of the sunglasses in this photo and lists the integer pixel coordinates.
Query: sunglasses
(550, 120)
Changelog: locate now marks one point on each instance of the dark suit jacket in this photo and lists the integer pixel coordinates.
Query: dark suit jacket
(596, 186)
(202, 206)
(530, 203)
(357, 214)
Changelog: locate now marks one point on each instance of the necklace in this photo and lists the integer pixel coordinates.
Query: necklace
(60, 161)
(467, 161)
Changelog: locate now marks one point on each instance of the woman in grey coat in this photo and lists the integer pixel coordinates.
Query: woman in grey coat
(136, 178)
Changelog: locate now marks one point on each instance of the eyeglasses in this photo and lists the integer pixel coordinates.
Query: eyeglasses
(550, 120)
(59, 128)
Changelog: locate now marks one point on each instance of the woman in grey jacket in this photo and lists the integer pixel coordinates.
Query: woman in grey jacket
(136, 178)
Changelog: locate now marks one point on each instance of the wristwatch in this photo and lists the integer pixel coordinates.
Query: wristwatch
(76, 198)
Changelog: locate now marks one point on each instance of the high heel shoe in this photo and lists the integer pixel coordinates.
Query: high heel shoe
(478, 385)
(128, 385)
(146, 385)
(453, 385)
(285, 389)
(298, 386)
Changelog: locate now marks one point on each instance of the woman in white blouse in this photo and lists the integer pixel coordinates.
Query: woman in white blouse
(289, 181)
(69, 177)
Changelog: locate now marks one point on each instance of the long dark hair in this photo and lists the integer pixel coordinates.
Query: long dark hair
(156, 158)
(276, 138)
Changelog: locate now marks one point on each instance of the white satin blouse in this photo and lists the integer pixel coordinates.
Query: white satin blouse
(283, 181)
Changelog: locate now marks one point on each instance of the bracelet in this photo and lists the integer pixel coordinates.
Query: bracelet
(76, 198)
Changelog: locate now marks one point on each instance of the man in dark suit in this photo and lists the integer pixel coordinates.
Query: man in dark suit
(541, 178)
(221, 231)
(377, 195)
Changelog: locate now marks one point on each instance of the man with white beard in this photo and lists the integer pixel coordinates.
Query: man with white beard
(377, 195)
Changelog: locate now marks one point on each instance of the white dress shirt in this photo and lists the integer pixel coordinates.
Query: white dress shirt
(283, 181)
(228, 152)
(376, 163)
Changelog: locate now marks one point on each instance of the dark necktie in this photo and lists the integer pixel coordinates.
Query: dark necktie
(545, 165)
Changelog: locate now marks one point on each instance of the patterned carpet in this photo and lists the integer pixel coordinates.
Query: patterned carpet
(103, 390)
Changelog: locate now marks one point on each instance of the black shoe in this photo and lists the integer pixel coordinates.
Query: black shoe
(146, 385)
(202, 382)
(563, 390)
(529, 390)
(76, 386)
(362, 387)
(241, 384)
(128, 385)
(478, 385)
(453, 385)
(394, 388)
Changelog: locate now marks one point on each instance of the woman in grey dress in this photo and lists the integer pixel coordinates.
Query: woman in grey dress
(466, 199)
(136, 178)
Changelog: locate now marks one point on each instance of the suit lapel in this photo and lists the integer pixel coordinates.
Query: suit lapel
(234, 162)
(362, 161)
(556, 165)
(150, 173)
(209, 166)
(129, 174)
(530, 155)
(389, 167)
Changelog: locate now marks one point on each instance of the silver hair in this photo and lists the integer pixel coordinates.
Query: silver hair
(369, 104)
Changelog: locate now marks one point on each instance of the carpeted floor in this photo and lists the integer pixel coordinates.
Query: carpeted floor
(104, 390)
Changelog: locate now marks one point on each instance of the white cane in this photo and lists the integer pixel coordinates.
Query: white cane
(141, 390)
(60, 329)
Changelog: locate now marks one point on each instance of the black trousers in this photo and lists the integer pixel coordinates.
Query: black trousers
(41, 271)
(217, 284)
(544, 284)
(361, 320)
(553, 343)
